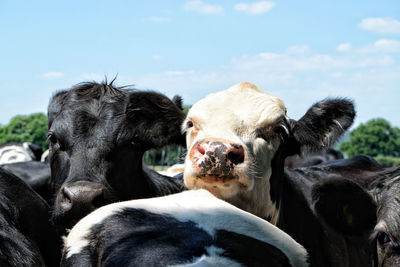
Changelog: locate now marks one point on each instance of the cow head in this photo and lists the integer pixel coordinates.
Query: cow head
(98, 134)
(237, 141)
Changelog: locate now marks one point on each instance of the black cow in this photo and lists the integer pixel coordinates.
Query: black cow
(343, 210)
(192, 228)
(18, 152)
(35, 173)
(98, 133)
(26, 236)
(237, 142)
(297, 161)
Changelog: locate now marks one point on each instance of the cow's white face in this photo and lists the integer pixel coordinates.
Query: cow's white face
(231, 139)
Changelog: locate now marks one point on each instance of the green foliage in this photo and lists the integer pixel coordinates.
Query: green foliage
(374, 138)
(186, 109)
(387, 161)
(169, 155)
(25, 128)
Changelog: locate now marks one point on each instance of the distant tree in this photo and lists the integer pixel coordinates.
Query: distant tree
(186, 109)
(25, 128)
(374, 138)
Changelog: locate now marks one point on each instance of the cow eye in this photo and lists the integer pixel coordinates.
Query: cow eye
(281, 131)
(383, 239)
(189, 124)
(52, 139)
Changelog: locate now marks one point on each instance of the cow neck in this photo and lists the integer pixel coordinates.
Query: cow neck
(276, 179)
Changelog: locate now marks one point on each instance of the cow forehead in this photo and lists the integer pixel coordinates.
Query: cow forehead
(242, 105)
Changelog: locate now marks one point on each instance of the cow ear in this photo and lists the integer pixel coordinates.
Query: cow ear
(36, 150)
(178, 101)
(323, 124)
(55, 105)
(154, 119)
(344, 206)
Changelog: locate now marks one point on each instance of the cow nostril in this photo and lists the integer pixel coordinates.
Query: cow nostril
(236, 155)
(201, 149)
(66, 199)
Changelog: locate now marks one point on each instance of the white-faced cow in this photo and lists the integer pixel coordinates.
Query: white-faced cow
(26, 236)
(237, 141)
(192, 228)
(18, 152)
(98, 134)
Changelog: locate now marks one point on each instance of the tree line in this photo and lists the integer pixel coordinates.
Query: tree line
(376, 138)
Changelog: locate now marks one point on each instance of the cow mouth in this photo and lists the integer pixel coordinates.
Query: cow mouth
(211, 179)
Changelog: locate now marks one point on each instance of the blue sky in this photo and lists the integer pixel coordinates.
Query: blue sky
(300, 51)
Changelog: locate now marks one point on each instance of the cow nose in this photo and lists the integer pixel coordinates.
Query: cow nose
(217, 157)
(236, 154)
(83, 197)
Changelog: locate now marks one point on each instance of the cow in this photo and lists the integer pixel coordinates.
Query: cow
(237, 141)
(334, 200)
(192, 228)
(35, 173)
(17, 152)
(26, 236)
(299, 161)
(97, 135)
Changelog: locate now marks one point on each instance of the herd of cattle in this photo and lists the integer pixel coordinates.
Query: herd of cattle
(258, 188)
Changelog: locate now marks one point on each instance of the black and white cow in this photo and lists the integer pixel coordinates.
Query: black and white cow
(98, 134)
(26, 236)
(237, 142)
(18, 152)
(191, 228)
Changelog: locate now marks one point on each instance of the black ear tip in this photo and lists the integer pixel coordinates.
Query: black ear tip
(178, 101)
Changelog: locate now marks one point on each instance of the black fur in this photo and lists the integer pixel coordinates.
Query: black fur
(323, 124)
(98, 133)
(26, 236)
(344, 205)
(35, 173)
(297, 161)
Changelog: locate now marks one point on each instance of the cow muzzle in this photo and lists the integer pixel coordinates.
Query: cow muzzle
(216, 158)
(76, 200)
(214, 163)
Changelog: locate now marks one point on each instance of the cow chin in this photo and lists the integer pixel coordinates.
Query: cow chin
(221, 187)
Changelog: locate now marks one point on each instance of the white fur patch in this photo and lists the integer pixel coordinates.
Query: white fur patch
(14, 153)
(213, 259)
(200, 206)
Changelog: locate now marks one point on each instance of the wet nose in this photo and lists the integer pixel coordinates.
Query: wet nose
(217, 156)
(80, 198)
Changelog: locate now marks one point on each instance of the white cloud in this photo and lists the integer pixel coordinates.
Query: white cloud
(254, 8)
(53, 75)
(343, 47)
(203, 8)
(381, 25)
(297, 49)
(158, 19)
(381, 46)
